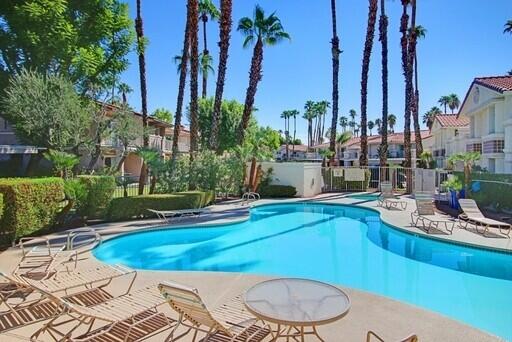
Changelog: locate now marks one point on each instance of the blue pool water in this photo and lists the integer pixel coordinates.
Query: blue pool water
(337, 244)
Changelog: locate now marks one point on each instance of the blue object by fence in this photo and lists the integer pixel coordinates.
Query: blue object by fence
(475, 187)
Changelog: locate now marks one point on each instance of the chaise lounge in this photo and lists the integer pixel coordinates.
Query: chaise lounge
(471, 215)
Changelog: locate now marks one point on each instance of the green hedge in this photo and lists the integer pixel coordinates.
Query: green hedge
(126, 208)
(494, 195)
(1, 206)
(98, 194)
(277, 191)
(30, 204)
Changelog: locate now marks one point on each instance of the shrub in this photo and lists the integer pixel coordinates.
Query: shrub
(495, 193)
(31, 204)
(125, 208)
(276, 191)
(1, 206)
(99, 191)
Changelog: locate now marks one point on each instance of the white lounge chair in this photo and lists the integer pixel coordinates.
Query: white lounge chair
(388, 199)
(471, 215)
(230, 322)
(426, 214)
(167, 215)
(373, 336)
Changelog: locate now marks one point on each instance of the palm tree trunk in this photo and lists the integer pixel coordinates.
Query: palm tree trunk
(254, 78)
(409, 97)
(370, 32)
(404, 25)
(286, 138)
(204, 18)
(415, 110)
(194, 71)
(143, 90)
(335, 51)
(294, 132)
(225, 32)
(181, 92)
(383, 30)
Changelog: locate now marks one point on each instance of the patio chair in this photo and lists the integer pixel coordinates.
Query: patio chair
(230, 322)
(166, 215)
(250, 197)
(426, 214)
(130, 317)
(22, 304)
(471, 215)
(388, 199)
(371, 335)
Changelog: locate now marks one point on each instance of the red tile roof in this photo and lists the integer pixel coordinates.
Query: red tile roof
(497, 83)
(393, 138)
(452, 120)
(298, 148)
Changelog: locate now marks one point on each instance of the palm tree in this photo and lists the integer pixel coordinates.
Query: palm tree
(124, 89)
(293, 113)
(378, 123)
(409, 91)
(225, 22)
(353, 114)
(182, 68)
(454, 102)
(286, 116)
(341, 139)
(382, 125)
(335, 51)
(205, 68)
(265, 31)
(420, 34)
(444, 101)
(321, 111)
(357, 128)
(309, 115)
(392, 122)
(207, 10)
(508, 27)
(194, 71)
(343, 123)
(370, 124)
(368, 46)
(429, 117)
(139, 29)
(352, 125)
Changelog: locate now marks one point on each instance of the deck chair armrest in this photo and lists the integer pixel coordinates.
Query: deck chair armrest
(22, 243)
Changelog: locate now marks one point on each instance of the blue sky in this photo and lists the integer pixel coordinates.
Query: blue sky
(464, 40)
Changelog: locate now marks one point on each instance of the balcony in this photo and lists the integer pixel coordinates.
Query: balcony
(155, 141)
(350, 156)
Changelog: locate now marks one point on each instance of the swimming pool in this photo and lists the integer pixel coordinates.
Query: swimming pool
(344, 245)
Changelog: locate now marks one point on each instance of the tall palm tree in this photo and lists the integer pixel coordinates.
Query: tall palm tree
(309, 115)
(454, 102)
(430, 116)
(420, 34)
(368, 46)
(207, 10)
(294, 113)
(508, 27)
(124, 89)
(378, 123)
(226, 8)
(265, 31)
(371, 125)
(444, 101)
(194, 72)
(286, 116)
(392, 122)
(382, 126)
(409, 91)
(182, 68)
(343, 123)
(353, 114)
(139, 29)
(335, 51)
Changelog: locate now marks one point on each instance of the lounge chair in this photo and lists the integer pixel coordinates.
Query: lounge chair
(371, 335)
(21, 303)
(166, 215)
(426, 214)
(471, 214)
(388, 199)
(130, 317)
(230, 322)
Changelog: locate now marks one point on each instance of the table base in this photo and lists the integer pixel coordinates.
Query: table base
(296, 333)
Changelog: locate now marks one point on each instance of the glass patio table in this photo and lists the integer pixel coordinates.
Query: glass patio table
(295, 305)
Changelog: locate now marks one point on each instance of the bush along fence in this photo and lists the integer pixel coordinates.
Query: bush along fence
(489, 190)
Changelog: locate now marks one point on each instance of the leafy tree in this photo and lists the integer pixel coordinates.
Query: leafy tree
(155, 162)
(46, 111)
(265, 31)
(231, 114)
(126, 128)
(468, 159)
(262, 146)
(85, 41)
(163, 114)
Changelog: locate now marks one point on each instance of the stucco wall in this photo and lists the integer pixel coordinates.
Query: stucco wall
(305, 177)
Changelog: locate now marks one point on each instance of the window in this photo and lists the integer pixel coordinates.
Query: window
(108, 162)
(456, 133)
(492, 119)
(474, 147)
(494, 146)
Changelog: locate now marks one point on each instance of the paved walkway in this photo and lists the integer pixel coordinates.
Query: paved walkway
(388, 317)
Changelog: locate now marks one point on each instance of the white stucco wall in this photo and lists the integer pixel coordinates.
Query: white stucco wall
(305, 177)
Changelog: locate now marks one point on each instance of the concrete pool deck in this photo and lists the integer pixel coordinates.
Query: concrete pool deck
(390, 318)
